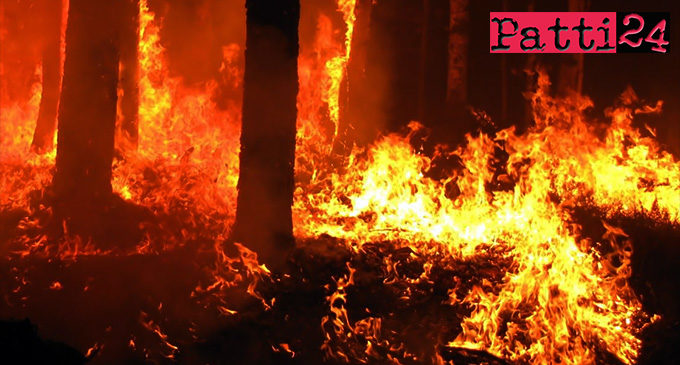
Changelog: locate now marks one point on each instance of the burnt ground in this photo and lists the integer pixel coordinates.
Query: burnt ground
(126, 307)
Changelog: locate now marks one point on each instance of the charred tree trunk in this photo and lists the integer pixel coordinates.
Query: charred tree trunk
(51, 12)
(87, 111)
(129, 77)
(266, 179)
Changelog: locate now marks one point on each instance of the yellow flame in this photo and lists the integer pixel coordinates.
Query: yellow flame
(22, 171)
(188, 147)
(336, 68)
(562, 300)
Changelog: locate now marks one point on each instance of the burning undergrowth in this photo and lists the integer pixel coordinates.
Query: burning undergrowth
(556, 269)
(527, 251)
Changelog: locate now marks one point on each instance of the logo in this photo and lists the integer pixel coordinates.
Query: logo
(579, 32)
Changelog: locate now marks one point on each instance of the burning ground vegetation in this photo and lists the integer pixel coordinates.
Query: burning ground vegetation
(554, 245)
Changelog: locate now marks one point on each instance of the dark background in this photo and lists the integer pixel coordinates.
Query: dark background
(652, 76)
(193, 33)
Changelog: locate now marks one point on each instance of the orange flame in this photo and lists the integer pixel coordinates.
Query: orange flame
(188, 147)
(560, 301)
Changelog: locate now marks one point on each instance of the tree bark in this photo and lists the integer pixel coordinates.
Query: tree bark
(266, 179)
(393, 65)
(570, 78)
(456, 93)
(51, 13)
(355, 125)
(129, 78)
(87, 110)
(434, 60)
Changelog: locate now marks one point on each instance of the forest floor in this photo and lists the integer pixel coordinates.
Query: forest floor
(187, 303)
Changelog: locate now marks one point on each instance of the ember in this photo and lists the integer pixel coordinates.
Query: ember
(299, 194)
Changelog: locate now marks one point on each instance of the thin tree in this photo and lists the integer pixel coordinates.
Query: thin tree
(355, 120)
(570, 78)
(434, 55)
(87, 110)
(51, 14)
(458, 52)
(266, 179)
(129, 77)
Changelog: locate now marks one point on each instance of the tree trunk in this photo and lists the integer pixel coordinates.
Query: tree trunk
(530, 66)
(504, 77)
(434, 60)
(393, 65)
(456, 93)
(129, 78)
(266, 179)
(87, 111)
(51, 12)
(570, 78)
(355, 124)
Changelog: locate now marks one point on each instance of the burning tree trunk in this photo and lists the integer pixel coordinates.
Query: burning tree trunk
(87, 111)
(266, 180)
(51, 75)
(356, 123)
(129, 77)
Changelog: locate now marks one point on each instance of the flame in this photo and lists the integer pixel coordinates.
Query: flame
(168, 350)
(243, 271)
(17, 124)
(336, 68)
(321, 71)
(22, 171)
(560, 301)
(188, 147)
(340, 324)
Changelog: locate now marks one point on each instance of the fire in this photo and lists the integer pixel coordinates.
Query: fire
(18, 123)
(321, 71)
(560, 301)
(21, 171)
(340, 323)
(188, 147)
(336, 67)
(562, 298)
